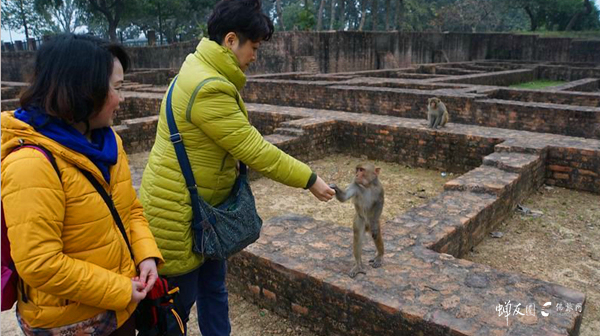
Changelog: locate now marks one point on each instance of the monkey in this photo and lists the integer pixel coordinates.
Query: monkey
(437, 114)
(368, 198)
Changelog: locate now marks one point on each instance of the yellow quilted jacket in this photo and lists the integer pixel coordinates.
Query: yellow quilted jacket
(216, 132)
(66, 246)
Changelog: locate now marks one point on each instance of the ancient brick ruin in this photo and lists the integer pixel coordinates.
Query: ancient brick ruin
(505, 143)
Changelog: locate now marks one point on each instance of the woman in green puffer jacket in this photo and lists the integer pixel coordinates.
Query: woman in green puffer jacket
(213, 122)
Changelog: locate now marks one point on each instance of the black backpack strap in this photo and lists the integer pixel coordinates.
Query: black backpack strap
(110, 204)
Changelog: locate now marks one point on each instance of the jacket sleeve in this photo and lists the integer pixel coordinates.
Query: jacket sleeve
(217, 113)
(34, 205)
(142, 241)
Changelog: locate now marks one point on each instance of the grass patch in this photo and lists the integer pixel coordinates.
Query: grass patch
(537, 84)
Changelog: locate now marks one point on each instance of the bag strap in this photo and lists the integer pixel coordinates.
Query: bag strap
(182, 157)
(44, 151)
(110, 204)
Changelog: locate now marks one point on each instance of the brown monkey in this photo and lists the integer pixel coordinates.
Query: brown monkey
(437, 114)
(368, 198)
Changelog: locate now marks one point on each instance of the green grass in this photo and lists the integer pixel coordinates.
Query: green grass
(537, 84)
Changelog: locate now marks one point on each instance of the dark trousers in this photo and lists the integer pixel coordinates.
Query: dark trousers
(127, 329)
(206, 287)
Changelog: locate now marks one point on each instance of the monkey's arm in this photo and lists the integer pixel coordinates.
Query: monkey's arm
(342, 195)
(430, 117)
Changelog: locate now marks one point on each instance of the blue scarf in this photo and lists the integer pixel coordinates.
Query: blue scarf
(102, 150)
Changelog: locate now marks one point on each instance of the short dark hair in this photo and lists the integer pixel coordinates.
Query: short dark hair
(71, 76)
(243, 17)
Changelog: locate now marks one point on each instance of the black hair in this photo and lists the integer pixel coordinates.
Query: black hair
(243, 17)
(71, 76)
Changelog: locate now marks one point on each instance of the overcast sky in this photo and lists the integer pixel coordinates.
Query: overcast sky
(21, 36)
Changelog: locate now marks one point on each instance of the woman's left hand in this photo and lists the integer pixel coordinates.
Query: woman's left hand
(148, 273)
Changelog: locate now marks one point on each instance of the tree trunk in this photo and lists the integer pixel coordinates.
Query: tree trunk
(398, 15)
(279, 15)
(375, 15)
(586, 11)
(342, 14)
(112, 30)
(387, 14)
(363, 14)
(320, 16)
(332, 21)
(24, 19)
(160, 29)
(531, 18)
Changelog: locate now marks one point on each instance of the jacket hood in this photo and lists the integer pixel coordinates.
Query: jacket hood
(15, 130)
(223, 60)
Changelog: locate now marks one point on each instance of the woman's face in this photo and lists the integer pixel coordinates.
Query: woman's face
(245, 53)
(111, 105)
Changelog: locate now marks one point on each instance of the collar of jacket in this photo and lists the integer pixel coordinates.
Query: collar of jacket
(221, 59)
(14, 129)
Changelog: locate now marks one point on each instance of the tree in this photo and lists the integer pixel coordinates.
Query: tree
(65, 12)
(22, 15)
(332, 15)
(112, 11)
(298, 17)
(375, 15)
(587, 10)
(320, 16)
(363, 14)
(388, 10)
(279, 15)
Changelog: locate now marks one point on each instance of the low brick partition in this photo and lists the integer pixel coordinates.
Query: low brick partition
(138, 105)
(582, 121)
(9, 104)
(552, 95)
(585, 85)
(11, 92)
(298, 267)
(567, 72)
(138, 134)
(152, 76)
(455, 148)
(500, 78)
(464, 107)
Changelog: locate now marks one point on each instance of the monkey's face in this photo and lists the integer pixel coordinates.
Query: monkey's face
(433, 102)
(365, 174)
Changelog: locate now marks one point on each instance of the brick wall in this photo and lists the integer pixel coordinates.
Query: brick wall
(464, 108)
(580, 121)
(574, 168)
(567, 72)
(545, 96)
(352, 51)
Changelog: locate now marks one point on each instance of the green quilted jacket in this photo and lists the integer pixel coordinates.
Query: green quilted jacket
(213, 122)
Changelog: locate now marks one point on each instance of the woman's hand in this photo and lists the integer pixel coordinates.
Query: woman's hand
(137, 290)
(321, 190)
(148, 273)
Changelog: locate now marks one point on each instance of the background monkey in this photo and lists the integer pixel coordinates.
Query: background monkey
(437, 114)
(367, 194)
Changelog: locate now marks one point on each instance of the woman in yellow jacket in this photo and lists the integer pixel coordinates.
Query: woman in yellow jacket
(76, 272)
(213, 122)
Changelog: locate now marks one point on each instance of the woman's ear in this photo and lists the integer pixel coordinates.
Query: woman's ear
(230, 40)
